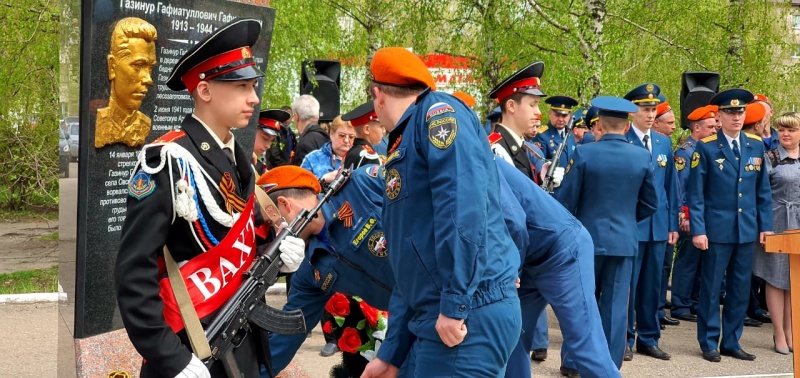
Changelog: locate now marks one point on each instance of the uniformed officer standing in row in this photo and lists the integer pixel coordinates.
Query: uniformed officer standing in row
(269, 128)
(191, 200)
(369, 132)
(654, 232)
(440, 210)
(730, 205)
(551, 136)
(519, 97)
(590, 118)
(609, 187)
(702, 123)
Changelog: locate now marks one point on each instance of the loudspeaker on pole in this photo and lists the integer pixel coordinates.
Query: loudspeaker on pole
(327, 74)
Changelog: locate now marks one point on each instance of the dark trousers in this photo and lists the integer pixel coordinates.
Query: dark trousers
(667, 270)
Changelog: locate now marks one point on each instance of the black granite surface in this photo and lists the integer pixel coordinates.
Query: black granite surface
(103, 172)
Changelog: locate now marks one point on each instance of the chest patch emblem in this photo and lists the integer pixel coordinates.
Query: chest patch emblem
(377, 244)
(393, 184)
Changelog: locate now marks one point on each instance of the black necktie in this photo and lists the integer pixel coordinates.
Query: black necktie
(735, 149)
(646, 146)
(229, 155)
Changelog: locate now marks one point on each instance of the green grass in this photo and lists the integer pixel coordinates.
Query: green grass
(49, 237)
(30, 281)
(46, 214)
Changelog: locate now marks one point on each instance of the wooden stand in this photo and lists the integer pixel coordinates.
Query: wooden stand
(789, 242)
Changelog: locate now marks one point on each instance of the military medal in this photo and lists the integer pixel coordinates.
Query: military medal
(720, 161)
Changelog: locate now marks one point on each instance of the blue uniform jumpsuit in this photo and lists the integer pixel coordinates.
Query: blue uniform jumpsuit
(609, 186)
(684, 271)
(730, 201)
(441, 210)
(653, 233)
(557, 258)
(351, 260)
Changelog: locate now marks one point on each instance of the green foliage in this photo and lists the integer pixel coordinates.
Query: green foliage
(29, 107)
(30, 281)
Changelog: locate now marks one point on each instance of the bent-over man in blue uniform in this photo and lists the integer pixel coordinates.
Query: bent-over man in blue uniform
(730, 205)
(654, 232)
(441, 194)
(609, 187)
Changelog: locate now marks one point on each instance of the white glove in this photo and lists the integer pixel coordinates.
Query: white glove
(292, 253)
(558, 175)
(195, 369)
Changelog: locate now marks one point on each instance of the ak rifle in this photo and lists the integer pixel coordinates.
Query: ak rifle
(547, 184)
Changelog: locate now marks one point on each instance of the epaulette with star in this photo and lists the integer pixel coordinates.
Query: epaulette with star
(686, 145)
(710, 138)
(170, 136)
(543, 129)
(494, 138)
(753, 136)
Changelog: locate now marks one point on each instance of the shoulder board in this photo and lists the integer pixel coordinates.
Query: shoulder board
(753, 136)
(543, 129)
(170, 136)
(709, 138)
(494, 138)
(685, 145)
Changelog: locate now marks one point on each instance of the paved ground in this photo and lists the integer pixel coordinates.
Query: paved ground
(28, 340)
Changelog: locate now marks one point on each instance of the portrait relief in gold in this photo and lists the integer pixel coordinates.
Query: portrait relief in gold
(130, 62)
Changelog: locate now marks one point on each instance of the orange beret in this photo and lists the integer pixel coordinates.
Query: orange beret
(288, 177)
(703, 112)
(762, 97)
(662, 108)
(754, 112)
(465, 97)
(399, 67)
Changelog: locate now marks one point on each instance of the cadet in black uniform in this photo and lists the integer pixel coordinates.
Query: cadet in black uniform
(368, 133)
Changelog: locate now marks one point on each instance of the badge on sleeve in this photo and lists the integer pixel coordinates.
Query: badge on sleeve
(695, 159)
(680, 163)
(438, 108)
(141, 185)
(442, 132)
(377, 244)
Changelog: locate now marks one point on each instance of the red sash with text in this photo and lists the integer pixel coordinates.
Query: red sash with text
(214, 276)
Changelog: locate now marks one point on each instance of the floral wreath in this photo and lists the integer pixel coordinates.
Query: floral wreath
(358, 327)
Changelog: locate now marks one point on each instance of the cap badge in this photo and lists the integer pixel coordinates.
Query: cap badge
(245, 53)
(649, 88)
(202, 76)
(735, 102)
(650, 95)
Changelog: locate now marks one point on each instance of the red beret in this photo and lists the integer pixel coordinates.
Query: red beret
(465, 97)
(288, 177)
(703, 112)
(762, 97)
(399, 67)
(754, 112)
(662, 108)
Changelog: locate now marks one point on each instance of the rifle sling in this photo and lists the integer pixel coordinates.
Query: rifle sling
(194, 330)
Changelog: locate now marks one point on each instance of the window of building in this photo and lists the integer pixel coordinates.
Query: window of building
(796, 22)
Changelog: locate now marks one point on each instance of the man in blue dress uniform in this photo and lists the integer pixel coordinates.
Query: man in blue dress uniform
(730, 205)
(654, 232)
(459, 269)
(685, 284)
(609, 187)
(552, 135)
(590, 119)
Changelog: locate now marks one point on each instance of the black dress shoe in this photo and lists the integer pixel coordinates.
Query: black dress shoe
(712, 356)
(653, 351)
(628, 354)
(539, 354)
(686, 317)
(761, 317)
(751, 323)
(668, 321)
(569, 372)
(738, 354)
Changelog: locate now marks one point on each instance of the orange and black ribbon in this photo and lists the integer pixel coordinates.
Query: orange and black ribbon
(345, 214)
(233, 203)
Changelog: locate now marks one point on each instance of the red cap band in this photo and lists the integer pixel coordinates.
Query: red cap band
(200, 72)
(271, 123)
(365, 119)
(519, 85)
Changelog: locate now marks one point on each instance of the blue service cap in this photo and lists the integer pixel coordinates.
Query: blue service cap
(561, 104)
(494, 115)
(590, 117)
(732, 100)
(644, 95)
(609, 106)
(577, 115)
(661, 99)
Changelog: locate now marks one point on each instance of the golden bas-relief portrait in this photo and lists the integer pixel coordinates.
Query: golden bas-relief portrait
(130, 61)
